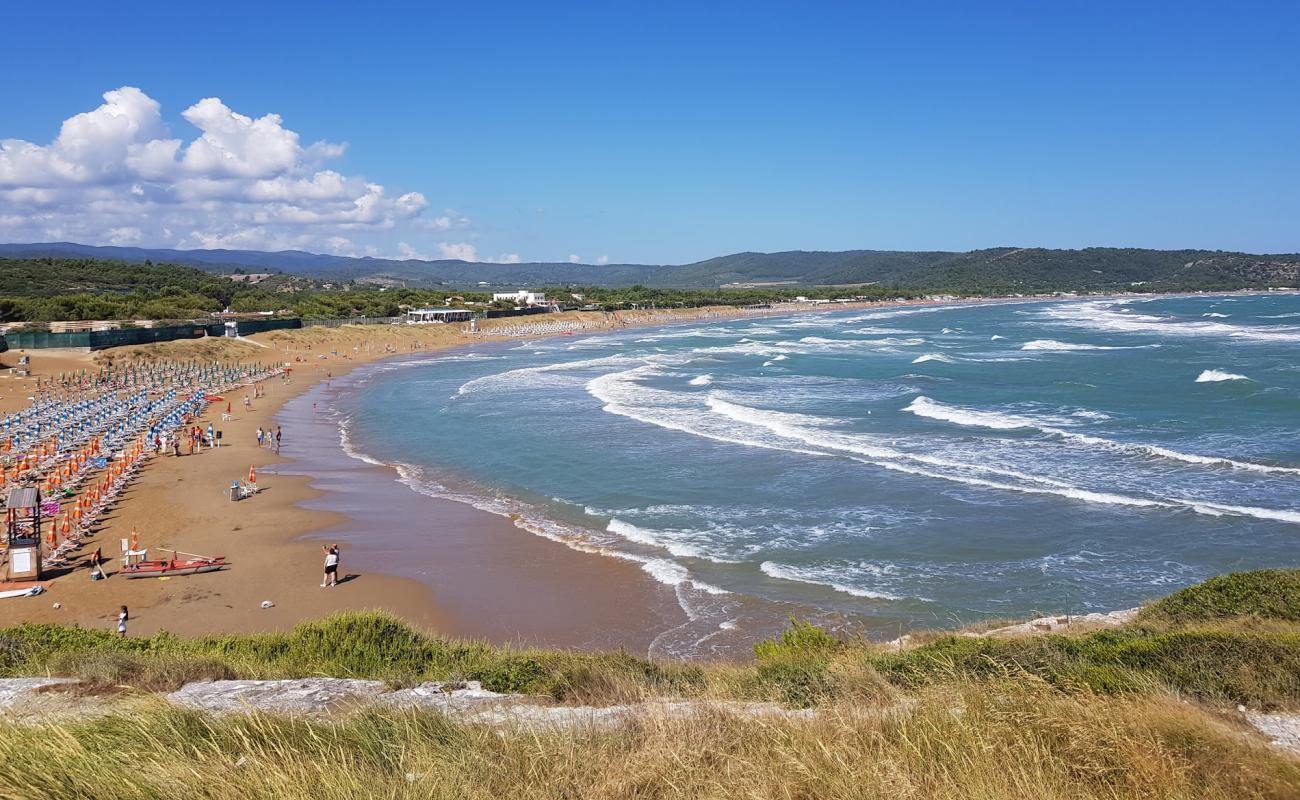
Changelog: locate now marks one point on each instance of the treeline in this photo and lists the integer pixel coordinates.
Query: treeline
(641, 296)
(47, 289)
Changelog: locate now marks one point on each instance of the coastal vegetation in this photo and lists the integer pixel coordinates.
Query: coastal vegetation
(1234, 639)
(35, 288)
(995, 270)
(1143, 710)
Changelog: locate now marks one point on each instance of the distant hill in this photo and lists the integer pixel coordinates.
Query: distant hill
(1002, 270)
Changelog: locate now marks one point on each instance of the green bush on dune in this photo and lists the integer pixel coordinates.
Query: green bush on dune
(1264, 594)
(1191, 651)
(363, 644)
(1262, 669)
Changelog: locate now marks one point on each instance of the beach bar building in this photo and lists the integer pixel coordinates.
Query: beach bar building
(423, 315)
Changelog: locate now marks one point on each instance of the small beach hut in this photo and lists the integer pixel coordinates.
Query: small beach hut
(23, 533)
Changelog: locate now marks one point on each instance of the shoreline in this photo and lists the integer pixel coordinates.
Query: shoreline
(180, 503)
(272, 539)
(490, 580)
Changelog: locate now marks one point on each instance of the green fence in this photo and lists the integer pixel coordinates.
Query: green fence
(247, 326)
(98, 340)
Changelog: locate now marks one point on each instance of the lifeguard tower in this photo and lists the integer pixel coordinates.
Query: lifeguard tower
(23, 534)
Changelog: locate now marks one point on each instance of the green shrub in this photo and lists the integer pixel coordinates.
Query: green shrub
(1261, 669)
(797, 663)
(1265, 593)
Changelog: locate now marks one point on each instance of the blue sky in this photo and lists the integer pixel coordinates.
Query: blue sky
(655, 132)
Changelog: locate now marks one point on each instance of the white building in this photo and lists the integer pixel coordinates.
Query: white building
(422, 315)
(523, 297)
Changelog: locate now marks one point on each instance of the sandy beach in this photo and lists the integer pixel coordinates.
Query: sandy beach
(485, 578)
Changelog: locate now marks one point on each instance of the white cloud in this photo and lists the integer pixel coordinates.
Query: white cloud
(507, 258)
(462, 251)
(125, 236)
(116, 175)
(450, 219)
(575, 259)
(603, 260)
(405, 251)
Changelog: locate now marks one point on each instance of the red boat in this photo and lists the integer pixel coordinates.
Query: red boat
(174, 566)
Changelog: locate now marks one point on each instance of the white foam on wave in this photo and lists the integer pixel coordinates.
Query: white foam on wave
(634, 533)
(787, 572)
(925, 407)
(932, 357)
(514, 378)
(1052, 345)
(1101, 316)
(807, 430)
(701, 380)
(624, 395)
(1217, 376)
(877, 330)
(345, 443)
(1215, 314)
(671, 573)
(995, 337)
(897, 312)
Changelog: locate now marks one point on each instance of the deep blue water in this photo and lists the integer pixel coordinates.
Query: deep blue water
(911, 465)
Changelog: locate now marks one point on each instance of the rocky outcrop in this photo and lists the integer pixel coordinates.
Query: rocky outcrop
(464, 702)
(13, 691)
(1283, 730)
(1035, 627)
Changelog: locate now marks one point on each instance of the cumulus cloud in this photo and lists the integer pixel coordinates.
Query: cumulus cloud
(575, 259)
(462, 251)
(406, 251)
(507, 258)
(116, 175)
(603, 260)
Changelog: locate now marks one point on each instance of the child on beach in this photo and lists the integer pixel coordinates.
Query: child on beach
(96, 561)
(122, 617)
(331, 566)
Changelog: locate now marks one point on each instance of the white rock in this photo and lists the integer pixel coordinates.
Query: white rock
(1283, 730)
(13, 690)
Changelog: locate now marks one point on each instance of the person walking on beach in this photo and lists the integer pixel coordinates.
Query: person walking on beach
(96, 561)
(331, 566)
(277, 440)
(122, 617)
(260, 435)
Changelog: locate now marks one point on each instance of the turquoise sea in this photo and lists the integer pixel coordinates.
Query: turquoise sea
(919, 465)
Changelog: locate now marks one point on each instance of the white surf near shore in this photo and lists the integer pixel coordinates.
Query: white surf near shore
(925, 407)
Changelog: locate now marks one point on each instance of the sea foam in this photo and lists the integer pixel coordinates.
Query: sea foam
(1215, 376)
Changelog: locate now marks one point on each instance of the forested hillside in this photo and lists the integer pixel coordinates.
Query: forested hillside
(1004, 270)
(79, 288)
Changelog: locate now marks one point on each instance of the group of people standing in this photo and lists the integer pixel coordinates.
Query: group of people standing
(265, 438)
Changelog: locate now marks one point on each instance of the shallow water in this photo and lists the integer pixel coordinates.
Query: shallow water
(900, 466)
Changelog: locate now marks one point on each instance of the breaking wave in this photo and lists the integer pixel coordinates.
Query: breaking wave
(1215, 376)
(925, 407)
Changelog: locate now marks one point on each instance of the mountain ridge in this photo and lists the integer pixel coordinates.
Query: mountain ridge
(1006, 270)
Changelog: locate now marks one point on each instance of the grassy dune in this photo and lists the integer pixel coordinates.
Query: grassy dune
(1133, 712)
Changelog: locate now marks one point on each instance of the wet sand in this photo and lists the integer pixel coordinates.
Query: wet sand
(489, 578)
